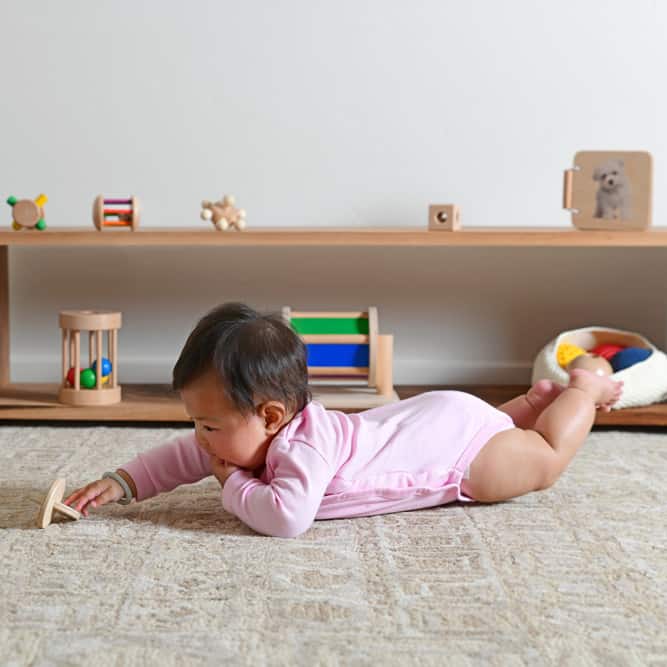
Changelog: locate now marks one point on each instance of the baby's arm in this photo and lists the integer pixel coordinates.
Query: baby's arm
(180, 461)
(286, 507)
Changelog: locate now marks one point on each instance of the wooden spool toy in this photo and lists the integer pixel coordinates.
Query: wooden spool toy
(53, 503)
(88, 386)
(346, 345)
(110, 213)
(28, 214)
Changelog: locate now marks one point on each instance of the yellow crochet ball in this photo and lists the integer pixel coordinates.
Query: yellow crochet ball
(567, 352)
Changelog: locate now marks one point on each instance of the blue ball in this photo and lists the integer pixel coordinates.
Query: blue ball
(106, 366)
(629, 356)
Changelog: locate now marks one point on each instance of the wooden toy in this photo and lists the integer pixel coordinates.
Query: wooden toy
(109, 213)
(609, 190)
(346, 346)
(28, 214)
(87, 387)
(53, 503)
(444, 217)
(223, 214)
(591, 362)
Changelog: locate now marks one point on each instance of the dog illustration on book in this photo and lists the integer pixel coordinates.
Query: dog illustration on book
(612, 199)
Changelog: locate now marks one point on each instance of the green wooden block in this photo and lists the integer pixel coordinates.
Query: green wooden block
(330, 325)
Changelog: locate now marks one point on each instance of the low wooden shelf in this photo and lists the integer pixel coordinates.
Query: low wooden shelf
(155, 403)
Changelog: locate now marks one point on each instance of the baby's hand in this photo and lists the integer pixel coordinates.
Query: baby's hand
(95, 494)
(222, 470)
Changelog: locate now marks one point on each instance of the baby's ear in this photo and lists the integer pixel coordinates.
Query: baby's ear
(274, 415)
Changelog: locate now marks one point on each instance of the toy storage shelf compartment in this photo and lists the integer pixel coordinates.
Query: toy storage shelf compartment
(323, 236)
(158, 403)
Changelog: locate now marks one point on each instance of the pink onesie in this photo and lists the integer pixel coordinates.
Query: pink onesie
(326, 464)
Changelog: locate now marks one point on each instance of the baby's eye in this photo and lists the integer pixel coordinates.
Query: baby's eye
(210, 428)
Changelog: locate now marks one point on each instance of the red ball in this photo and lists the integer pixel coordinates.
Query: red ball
(607, 350)
(70, 377)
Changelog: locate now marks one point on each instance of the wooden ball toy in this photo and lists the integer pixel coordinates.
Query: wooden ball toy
(223, 214)
(28, 213)
(113, 213)
(53, 503)
(591, 362)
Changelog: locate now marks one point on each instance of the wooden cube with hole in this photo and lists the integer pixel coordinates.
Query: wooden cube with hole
(444, 217)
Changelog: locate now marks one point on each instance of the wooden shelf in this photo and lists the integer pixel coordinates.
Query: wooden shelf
(308, 236)
(158, 403)
(154, 403)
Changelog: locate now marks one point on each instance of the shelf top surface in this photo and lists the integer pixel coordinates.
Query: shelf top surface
(334, 236)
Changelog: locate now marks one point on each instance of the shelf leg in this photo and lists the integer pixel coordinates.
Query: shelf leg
(5, 376)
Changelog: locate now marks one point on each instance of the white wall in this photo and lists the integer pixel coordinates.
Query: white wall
(345, 113)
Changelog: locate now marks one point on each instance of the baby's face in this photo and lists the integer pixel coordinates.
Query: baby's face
(221, 430)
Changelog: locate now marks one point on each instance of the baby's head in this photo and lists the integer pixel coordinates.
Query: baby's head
(242, 376)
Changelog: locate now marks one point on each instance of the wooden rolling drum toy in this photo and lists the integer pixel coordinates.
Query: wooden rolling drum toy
(346, 345)
(97, 384)
(108, 213)
(52, 503)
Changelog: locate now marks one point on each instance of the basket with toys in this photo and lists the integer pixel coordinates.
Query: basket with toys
(624, 355)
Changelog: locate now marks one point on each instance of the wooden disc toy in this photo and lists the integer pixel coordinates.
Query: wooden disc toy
(53, 503)
(110, 213)
(28, 214)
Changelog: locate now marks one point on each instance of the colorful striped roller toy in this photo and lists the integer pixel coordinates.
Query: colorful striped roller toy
(109, 213)
(345, 345)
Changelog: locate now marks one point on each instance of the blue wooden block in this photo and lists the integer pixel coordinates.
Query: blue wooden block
(338, 354)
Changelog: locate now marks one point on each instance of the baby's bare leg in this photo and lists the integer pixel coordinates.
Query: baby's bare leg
(519, 461)
(525, 409)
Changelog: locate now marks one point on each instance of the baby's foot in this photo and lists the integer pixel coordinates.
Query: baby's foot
(604, 391)
(543, 393)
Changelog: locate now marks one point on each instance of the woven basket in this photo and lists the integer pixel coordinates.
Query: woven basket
(644, 382)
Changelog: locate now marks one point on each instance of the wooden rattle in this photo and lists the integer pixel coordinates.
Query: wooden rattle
(223, 214)
(28, 214)
(52, 503)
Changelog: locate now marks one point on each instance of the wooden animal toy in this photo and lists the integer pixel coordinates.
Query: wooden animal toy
(346, 346)
(87, 386)
(444, 217)
(53, 503)
(223, 214)
(28, 214)
(110, 213)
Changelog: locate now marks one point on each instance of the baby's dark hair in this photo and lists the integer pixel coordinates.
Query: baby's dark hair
(255, 356)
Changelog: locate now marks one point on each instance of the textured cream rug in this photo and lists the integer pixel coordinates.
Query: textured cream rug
(576, 575)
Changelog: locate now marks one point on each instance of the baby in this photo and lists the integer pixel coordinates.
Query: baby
(283, 460)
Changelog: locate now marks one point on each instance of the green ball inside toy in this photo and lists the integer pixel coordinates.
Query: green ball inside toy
(88, 378)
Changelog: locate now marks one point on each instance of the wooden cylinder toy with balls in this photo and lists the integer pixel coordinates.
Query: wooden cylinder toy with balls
(113, 213)
(96, 384)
